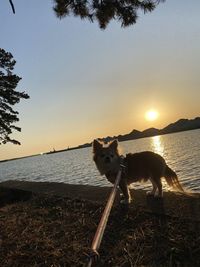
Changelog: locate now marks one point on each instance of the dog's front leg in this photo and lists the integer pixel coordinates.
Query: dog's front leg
(125, 190)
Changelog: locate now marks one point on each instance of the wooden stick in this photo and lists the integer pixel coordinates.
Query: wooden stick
(103, 222)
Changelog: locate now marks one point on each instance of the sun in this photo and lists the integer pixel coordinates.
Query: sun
(151, 115)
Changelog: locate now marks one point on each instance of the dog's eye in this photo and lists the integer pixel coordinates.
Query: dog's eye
(112, 156)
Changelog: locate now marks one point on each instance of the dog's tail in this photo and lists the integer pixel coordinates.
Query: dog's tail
(172, 179)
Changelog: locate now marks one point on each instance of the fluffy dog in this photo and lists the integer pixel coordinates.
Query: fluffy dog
(141, 166)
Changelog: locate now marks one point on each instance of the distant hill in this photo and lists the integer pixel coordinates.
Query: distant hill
(178, 126)
(182, 125)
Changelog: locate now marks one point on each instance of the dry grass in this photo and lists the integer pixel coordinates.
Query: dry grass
(55, 231)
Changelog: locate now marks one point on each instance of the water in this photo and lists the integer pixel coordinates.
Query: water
(180, 150)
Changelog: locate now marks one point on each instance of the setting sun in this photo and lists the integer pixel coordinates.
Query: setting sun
(151, 115)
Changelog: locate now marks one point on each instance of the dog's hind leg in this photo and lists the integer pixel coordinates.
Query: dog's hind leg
(158, 193)
(125, 190)
(153, 191)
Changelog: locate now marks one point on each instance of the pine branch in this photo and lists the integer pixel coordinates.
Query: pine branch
(103, 11)
(12, 6)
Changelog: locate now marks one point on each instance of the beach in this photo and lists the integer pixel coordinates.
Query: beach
(53, 224)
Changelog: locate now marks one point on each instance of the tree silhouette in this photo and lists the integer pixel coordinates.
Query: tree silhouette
(8, 97)
(125, 11)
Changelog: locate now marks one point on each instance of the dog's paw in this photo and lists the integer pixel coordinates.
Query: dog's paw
(158, 195)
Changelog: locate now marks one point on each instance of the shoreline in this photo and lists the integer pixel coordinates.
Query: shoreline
(185, 204)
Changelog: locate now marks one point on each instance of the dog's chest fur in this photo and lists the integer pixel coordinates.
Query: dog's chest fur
(111, 177)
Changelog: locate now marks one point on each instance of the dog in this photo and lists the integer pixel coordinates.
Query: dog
(140, 166)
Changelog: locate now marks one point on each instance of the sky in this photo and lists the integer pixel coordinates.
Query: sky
(86, 83)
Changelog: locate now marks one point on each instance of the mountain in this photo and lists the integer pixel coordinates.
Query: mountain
(132, 135)
(178, 126)
(182, 125)
(150, 132)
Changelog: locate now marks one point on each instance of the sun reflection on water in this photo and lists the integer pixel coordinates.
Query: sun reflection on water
(157, 145)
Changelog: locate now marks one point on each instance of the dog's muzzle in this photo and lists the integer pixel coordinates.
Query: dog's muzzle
(107, 160)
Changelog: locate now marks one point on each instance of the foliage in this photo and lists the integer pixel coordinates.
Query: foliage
(8, 97)
(125, 11)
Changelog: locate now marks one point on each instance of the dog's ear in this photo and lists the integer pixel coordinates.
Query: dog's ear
(96, 146)
(114, 144)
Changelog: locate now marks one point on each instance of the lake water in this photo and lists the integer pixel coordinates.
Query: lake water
(180, 150)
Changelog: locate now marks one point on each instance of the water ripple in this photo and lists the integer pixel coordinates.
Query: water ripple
(181, 152)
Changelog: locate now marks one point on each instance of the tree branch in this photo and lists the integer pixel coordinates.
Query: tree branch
(12, 5)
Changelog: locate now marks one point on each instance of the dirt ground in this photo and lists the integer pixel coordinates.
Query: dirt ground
(45, 228)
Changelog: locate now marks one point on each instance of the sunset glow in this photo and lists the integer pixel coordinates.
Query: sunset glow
(85, 83)
(151, 115)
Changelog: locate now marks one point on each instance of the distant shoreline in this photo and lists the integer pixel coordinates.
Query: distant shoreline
(45, 153)
(89, 145)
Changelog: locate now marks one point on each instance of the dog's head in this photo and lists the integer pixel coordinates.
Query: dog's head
(106, 157)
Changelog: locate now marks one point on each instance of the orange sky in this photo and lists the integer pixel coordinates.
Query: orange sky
(86, 83)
